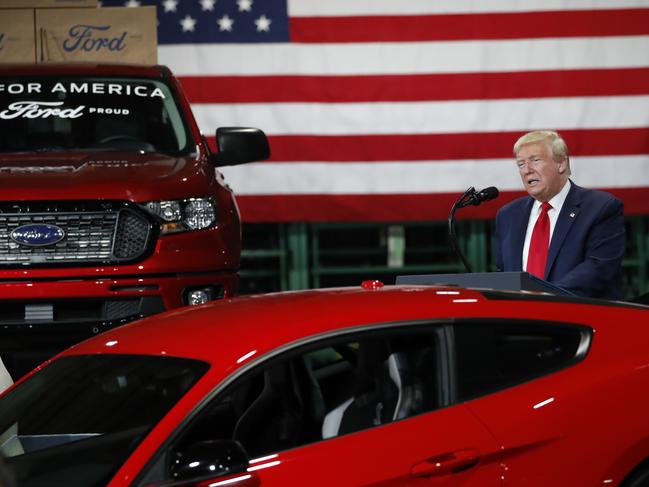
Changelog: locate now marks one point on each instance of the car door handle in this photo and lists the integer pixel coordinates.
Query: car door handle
(447, 463)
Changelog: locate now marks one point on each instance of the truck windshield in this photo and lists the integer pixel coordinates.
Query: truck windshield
(44, 113)
(76, 421)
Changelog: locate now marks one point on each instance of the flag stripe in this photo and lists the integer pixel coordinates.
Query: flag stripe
(423, 176)
(392, 207)
(516, 25)
(406, 57)
(309, 8)
(466, 86)
(408, 147)
(384, 110)
(430, 117)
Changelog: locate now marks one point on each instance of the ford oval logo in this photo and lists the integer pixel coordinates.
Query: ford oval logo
(37, 234)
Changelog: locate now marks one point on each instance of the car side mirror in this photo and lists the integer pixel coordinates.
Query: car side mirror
(210, 458)
(238, 145)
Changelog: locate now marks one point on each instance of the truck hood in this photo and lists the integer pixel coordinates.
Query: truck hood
(103, 175)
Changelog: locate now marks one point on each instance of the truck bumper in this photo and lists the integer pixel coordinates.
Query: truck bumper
(40, 317)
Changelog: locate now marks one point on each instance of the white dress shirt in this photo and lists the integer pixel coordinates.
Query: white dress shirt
(557, 203)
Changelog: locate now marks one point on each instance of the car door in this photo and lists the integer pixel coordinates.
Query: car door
(516, 376)
(448, 447)
(365, 408)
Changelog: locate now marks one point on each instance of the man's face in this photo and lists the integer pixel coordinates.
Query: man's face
(542, 176)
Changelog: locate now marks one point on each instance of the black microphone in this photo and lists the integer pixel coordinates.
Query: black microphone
(470, 197)
(475, 198)
(486, 194)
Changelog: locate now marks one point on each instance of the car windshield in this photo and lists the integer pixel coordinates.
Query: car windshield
(77, 420)
(44, 113)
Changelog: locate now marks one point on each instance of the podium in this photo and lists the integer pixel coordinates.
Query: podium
(642, 299)
(508, 281)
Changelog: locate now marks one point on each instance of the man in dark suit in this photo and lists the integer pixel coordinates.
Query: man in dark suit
(568, 235)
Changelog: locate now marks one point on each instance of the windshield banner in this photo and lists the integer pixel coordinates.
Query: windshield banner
(34, 99)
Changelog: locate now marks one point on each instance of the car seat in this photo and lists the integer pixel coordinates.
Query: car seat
(273, 420)
(386, 391)
(313, 401)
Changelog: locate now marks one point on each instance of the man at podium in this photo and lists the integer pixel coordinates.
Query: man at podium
(568, 235)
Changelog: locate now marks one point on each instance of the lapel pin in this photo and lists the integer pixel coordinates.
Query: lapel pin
(572, 215)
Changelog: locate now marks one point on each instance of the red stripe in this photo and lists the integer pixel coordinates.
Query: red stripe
(338, 148)
(466, 86)
(525, 25)
(350, 208)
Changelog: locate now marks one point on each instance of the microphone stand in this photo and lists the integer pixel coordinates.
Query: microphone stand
(463, 201)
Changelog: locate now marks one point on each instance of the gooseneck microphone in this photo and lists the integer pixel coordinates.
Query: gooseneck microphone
(487, 194)
(471, 197)
(475, 198)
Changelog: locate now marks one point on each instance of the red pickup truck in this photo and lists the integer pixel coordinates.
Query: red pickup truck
(111, 206)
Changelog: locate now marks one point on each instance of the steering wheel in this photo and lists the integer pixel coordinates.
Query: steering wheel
(115, 138)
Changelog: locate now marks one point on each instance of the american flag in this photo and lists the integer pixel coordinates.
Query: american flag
(389, 109)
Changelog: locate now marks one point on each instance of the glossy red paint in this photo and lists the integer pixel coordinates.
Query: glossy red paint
(581, 425)
(177, 262)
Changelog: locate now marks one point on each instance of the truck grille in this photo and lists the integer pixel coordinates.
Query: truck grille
(102, 232)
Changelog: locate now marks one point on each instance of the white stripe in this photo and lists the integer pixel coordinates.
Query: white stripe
(429, 117)
(311, 8)
(406, 57)
(422, 177)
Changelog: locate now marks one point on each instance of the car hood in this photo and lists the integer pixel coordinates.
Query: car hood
(103, 175)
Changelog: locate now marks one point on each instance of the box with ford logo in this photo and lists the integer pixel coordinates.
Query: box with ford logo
(111, 204)
(107, 34)
(47, 3)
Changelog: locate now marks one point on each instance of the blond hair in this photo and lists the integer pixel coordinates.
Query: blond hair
(557, 144)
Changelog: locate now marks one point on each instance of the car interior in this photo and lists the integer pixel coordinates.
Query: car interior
(362, 381)
(331, 391)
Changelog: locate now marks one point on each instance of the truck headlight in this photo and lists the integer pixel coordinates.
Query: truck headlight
(183, 215)
(199, 214)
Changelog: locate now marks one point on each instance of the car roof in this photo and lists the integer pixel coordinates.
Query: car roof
(83, 68)
(229, 329)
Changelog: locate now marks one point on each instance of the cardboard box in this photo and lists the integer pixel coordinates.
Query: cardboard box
(107, 35)
(46, 3)
(17, 42)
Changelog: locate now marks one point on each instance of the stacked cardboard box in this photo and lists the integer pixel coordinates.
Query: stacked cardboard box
(47, 3)
(17, 42)
(76, 30)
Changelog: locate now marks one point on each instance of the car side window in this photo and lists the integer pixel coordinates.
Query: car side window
(494, 355)
(319, 391)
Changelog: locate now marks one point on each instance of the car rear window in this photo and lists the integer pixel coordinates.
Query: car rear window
(492, 355)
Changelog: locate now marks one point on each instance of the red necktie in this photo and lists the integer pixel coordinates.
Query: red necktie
(538, 254)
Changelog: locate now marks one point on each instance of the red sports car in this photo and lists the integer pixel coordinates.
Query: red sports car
(394, 385)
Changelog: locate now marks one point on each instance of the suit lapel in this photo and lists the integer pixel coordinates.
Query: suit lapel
(519, 229)
(567, 217)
